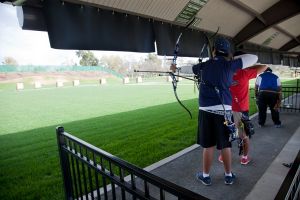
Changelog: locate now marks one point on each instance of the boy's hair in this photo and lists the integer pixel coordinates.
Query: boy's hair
(268, 69)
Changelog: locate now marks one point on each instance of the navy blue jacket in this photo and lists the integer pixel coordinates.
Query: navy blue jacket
(216, 72)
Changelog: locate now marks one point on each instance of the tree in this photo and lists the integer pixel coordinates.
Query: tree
(9, 61)
(114, 62)
(87, 58)
(152, 62)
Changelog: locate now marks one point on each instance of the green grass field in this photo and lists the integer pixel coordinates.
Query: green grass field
(138, 123)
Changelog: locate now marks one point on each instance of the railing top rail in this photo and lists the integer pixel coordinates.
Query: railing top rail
(151, 178)
(290, 177)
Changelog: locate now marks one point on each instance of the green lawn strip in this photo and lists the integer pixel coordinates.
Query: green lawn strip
(292, 83)
(30, 168)
(30, 109)
(7, 87)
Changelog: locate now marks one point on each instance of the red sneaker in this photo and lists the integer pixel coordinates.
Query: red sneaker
(245, 160)
(220, 159)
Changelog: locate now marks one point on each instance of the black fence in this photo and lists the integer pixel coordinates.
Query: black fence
(91, 173)
(290, 188)
(291, 98)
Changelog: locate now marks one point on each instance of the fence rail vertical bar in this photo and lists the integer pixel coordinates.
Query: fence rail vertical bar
(103, 179)
(122, 180)
(297, 91)
(78, 172)
(73, 171)
(90, 176)
(162, 194)
(298, 85)
(294, 98)
(291, 98)
(146, 188)
(113, 190)
(132, 184)
(83, 173)
(96, 177)
(64, 163)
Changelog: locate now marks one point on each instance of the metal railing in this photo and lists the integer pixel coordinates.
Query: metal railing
(291, 98)
(91, 173)
(290, 188)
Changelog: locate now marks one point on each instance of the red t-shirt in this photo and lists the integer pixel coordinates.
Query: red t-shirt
(240, 89)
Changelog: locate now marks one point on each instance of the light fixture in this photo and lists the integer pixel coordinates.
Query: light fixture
(190, 11)
(269, 39)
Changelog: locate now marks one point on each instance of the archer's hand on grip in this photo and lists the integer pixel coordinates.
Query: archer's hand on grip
(173, 68)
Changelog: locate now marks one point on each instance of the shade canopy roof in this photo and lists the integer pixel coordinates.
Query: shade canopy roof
(256, 25)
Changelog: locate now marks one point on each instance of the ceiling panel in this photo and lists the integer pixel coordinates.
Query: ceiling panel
(296, 49)
(292, 25)
(161, 9)
(220, 13)
(271, 38)
(259, 5)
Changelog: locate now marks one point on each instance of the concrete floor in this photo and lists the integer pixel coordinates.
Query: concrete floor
(260, 179)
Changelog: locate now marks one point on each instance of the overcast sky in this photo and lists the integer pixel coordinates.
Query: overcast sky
(33, 47)
(27, 47)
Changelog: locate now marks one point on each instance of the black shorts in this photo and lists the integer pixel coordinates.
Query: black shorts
(212, 131)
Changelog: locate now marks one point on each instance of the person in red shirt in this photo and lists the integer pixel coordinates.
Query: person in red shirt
(239, 90)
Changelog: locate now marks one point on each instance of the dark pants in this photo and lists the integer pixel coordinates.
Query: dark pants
(265, 100)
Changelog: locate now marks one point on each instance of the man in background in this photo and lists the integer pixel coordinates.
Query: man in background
(268, 94)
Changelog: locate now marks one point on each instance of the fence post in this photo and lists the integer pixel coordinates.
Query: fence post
(297, 90)
(64, 163)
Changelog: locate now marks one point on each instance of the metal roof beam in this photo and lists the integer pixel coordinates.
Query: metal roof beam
(291, 44)
(240, 5)
(279, 12)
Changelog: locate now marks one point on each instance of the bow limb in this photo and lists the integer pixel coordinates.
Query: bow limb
(208, 44)
(175, 93)
(209, 47)
(174, 80)
(174, 83)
